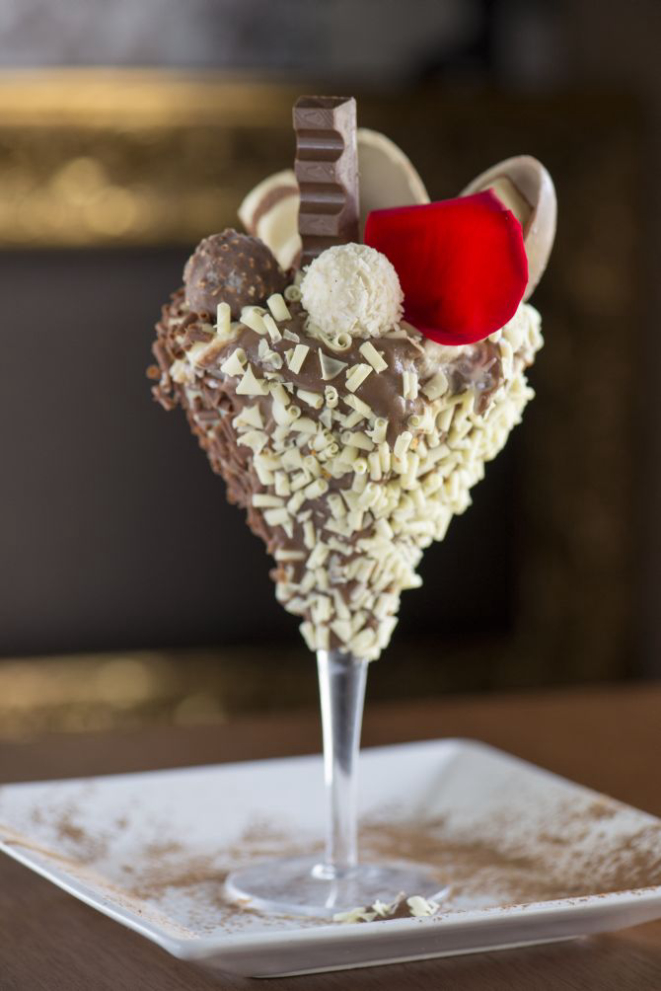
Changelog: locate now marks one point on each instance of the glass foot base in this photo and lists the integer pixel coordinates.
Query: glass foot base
(302, 886)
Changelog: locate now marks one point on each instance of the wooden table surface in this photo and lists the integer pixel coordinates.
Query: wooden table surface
(608, 738)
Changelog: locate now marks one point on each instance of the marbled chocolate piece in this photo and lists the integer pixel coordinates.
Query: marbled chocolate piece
(526, 188)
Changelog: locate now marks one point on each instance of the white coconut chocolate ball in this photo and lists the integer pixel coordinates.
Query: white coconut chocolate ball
(354, 289)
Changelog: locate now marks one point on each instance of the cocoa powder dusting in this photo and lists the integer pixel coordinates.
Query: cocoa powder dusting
(572, 853)
(573, 859)
(483, 871)
(166, 869)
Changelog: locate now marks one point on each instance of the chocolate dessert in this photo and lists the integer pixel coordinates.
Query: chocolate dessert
(351, 405)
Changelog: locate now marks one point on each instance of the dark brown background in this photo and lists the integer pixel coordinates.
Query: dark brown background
(115, 536)
(119, 532)
(115, 526)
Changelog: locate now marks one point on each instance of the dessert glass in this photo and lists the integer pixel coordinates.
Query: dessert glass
(456, 272)
(338, 881)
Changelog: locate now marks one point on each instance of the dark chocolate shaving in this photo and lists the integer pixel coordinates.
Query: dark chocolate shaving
(326, 169)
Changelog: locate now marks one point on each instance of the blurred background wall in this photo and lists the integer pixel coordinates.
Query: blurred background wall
(129, 590)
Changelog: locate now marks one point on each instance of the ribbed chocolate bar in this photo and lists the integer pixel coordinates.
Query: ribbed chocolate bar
(326, 169)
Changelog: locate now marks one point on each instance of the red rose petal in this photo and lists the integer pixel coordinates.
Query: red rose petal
(461, 263)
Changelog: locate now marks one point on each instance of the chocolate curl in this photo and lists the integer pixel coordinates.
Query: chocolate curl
(326, 168)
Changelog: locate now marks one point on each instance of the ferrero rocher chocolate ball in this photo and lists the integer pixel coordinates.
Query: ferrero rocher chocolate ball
(231, 268)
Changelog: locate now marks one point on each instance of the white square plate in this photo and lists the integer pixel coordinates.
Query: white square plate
(529, 856)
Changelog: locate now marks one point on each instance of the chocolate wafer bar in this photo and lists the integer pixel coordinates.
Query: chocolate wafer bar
(326, 170)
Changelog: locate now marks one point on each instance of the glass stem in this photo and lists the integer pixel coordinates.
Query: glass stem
(342, 680)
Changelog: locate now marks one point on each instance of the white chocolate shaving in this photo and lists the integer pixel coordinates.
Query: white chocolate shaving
(436, 386)
(314, 399)
(196, 350)
(234, 364)
(402, 444)
(250, 416)
(254, 439)
(278, 307)
(375, 358)
(296, 501)
(251, 316)
(374, 463)
(282, 487)
(272, 328)
(409, 384)
(251, 386)
(279, 393)
(311, 465)
(224, 321)
(316, 489)
(380, 430)
(358, 405)
(304, 425)
(357, 375)
(296, 358)
(268, 461)
(292, 294)
(330, 367)
(336, 506)
(357, 439)
(276, 517)
(292, 459)
(309, 537)
(384, 456)
(339, 342)
(353, 419)
(282, 554)
(421, 906)
(263, 499)
(308, 633)
(180, 372)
